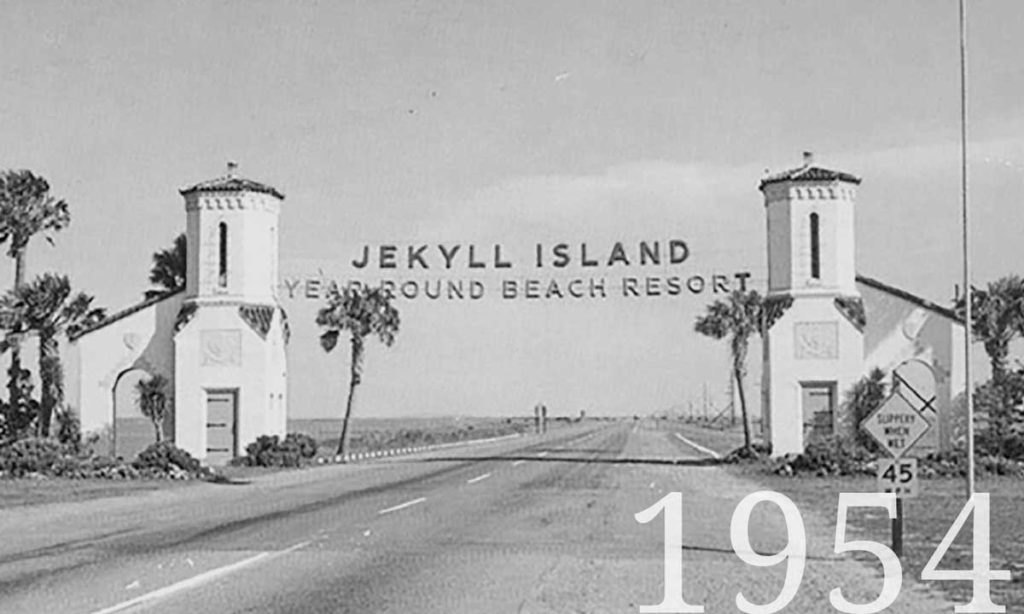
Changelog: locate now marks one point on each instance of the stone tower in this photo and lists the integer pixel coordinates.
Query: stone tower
(814, 346)
(230, 335)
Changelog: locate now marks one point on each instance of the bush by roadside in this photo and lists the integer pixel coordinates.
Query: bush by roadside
(294, 450)
(45, 457)
(838, 457)
(166, 459)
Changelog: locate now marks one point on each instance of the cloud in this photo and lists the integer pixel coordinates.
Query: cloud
(631, 200)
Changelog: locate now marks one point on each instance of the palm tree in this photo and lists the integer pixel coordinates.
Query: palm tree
(737, 318)
(46, 307)
(998, 317)
(361, 311)
(153, 401)
(26, 209)
(168, 272)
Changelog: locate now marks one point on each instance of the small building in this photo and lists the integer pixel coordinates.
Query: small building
(826, 326)
(221, 340)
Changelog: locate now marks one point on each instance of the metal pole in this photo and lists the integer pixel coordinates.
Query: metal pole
(897, 529)
(967, 251)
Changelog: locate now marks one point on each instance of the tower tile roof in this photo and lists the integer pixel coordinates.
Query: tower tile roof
(231, 183)
(809, 172)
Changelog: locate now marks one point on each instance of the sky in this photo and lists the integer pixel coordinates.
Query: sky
(517, 121)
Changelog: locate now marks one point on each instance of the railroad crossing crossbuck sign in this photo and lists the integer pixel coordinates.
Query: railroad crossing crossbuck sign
(896, 425)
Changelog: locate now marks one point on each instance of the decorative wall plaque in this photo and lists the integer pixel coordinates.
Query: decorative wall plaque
(221, 347)
(816, 340)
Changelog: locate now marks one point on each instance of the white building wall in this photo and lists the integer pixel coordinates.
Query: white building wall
(217, 350)
(140, 340)
(900, 330)
(811, 343)
(251, 219)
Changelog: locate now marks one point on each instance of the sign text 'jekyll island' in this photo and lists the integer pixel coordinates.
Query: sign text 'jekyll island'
(574, 271)
(560, 255)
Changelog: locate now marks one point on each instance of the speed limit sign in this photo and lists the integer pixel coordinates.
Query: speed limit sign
(898, 476)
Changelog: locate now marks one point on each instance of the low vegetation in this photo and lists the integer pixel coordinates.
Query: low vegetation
(39, 457)
(387, 435)
(294, 450)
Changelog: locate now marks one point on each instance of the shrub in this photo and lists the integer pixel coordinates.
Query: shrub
(30, 455)
(827, 456)
(17, 422)
(272, 451)
(866, 395)
(69, 428)
(306, 444)
(164, 458)
(758, 452)
(999, 411)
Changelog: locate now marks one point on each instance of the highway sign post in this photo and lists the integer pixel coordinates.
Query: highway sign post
(897, 425)
(898, 476)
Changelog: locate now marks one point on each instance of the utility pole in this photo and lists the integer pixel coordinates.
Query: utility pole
(968, 321)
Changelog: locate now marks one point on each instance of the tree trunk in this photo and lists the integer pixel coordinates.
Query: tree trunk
(49, 380)
(14, 373)
(158, 427)
(747, 444)
(739, 357)
(355, 376)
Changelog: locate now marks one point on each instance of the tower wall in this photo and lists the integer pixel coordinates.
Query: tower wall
(229, 345)
(814, 346)
(251, 223)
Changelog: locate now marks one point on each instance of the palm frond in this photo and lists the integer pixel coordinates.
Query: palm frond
(28, 209)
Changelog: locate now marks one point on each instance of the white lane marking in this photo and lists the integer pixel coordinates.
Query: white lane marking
(518, 462)
(478, 478)
(402, 506)
(542, 454)
(697, 446)
(199, 580)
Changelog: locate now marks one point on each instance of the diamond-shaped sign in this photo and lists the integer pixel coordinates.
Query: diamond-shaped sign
(896, 425)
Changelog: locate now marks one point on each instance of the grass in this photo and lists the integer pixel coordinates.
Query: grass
(723, 439)
(40, 491)
(367, 434)
(927, 519)
(384, 434)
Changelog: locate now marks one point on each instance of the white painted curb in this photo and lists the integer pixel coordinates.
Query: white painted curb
(350, 457)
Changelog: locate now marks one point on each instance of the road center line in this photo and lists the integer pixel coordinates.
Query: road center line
(697, 446)
(402, 506)
(478, 478)
(196, 581)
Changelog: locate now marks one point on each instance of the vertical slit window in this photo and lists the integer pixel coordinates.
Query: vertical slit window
(222, 270)
(815, 248)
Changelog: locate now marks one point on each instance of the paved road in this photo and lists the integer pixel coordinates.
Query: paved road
(534, 524)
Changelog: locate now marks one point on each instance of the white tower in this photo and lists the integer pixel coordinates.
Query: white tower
(229, 345)
(814, 347)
